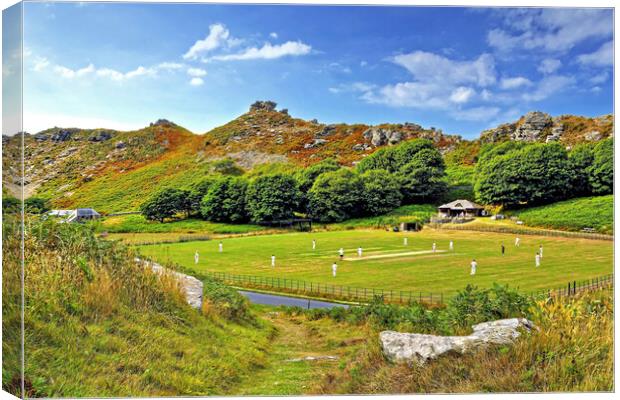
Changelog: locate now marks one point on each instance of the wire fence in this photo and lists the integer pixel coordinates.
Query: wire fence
(362, 295)
(525, 231)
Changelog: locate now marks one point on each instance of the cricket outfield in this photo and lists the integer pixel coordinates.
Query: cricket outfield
(387, 263)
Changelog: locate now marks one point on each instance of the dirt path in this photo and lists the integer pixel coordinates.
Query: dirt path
(302, 354)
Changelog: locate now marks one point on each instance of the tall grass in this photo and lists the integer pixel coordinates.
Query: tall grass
(572, 352)
(98, 324)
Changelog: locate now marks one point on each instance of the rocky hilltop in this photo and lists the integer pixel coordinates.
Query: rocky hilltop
(99, 167)
(537, 126)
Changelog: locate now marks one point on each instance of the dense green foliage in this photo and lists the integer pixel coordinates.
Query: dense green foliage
(336, 196)
(381, 192)
(165, 204)
(602, 169)
(468, 307)
(36, 205)
(307, 176)
(11, 204)
(422, 176)
(225, 201)
(581, 159)
(574, 214)
(392, 159)
(272, 198)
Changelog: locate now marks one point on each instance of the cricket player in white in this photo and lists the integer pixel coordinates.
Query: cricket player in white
(196, 257)
(434, 247)
(406, 241)
(221, 246)
(334, 268)
(273, 261)
(341, 252)
(517, 242)
(451, 245)
(359, 251)
(540, 250)
(313, 244)
(537, 260)
(474, 264)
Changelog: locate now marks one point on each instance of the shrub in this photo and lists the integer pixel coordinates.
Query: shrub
(422, 178)
(165, 204)
(381, 192)
(602, 169)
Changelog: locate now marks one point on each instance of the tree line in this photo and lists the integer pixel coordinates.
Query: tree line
(514, 174)
(412, 172)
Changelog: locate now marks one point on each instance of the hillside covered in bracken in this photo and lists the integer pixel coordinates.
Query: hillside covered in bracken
(113, 171)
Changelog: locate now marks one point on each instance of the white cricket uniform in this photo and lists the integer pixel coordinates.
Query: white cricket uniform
(451, 245)
(196, 257)
(541, 252)
(341, 252)
(313, 245)
(273, 261)
(359, 251)
(334, 268)
(538, 260)
(473, 268)
(221, 247)
(517, 242)
(405, 241)
(434, 247)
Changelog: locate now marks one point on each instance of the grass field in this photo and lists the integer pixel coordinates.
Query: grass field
(388, 264)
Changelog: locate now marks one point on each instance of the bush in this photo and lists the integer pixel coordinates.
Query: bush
(307, 176)
(272, 198)
(602, 169)
(36, 205)
(165, 204)
(422, 177)
(581, 159)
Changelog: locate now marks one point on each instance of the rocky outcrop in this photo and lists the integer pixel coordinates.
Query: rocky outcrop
(556, 132)
(263, 106)
(100, 137)
(315, 143)
(381, 137)
(592, 136)
(532, 128)
(41, 137)
(120, 145)
(63, 135)
(163, 123)
(418, 348)
(327, 130)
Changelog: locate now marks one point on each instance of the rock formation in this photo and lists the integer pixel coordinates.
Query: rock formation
(418, 348)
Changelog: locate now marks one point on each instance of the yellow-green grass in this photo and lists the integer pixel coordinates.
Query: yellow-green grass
(565, 259)
(138, 224)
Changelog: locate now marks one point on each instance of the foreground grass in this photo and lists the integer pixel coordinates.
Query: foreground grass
(573, 215)
(572, 352)
(565, 259)
(99, 325)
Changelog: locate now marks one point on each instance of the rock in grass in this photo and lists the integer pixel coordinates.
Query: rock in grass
(418, 348)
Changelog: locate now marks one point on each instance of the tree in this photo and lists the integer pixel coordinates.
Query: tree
(392, 159)
(36, 205)
(535, 174)
(225, 201)
(381, 192)
(602, 169)
(422, 178)
(164, 204)
(307, 176)
(336, 196)
(198, 191)
(581, 159)
(11, 204)
(272, 197)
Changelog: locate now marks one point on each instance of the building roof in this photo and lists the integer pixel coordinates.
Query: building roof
(86, 212)
(461, 205)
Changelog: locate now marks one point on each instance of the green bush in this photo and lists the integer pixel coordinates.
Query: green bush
(225, 201)
(336, 196)
(381, 192)
(272, 198)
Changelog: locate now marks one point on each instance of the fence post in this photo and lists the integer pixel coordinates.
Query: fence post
(574, 287)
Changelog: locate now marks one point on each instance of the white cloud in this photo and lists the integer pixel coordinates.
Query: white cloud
(549, 65)
(169, 66)
(268, 52)
(600, 78)
(196, 72)
(363, 63)
(273, 35)
(69, 73)
(120, 76)
(550, 29)
(40, 64)
(196, 81)
(218, 35)
(462, 94)
(596, 89)
(515, 82)
(410, 94)
(476, 114)
(359, 87)
(549, 86)
(428, 67)
(603, 57)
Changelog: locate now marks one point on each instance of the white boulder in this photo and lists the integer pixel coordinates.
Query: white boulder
(418, 348)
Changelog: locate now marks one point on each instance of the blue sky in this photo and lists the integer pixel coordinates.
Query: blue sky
(462, 70)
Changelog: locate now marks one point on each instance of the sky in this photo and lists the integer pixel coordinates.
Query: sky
(462, 70)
